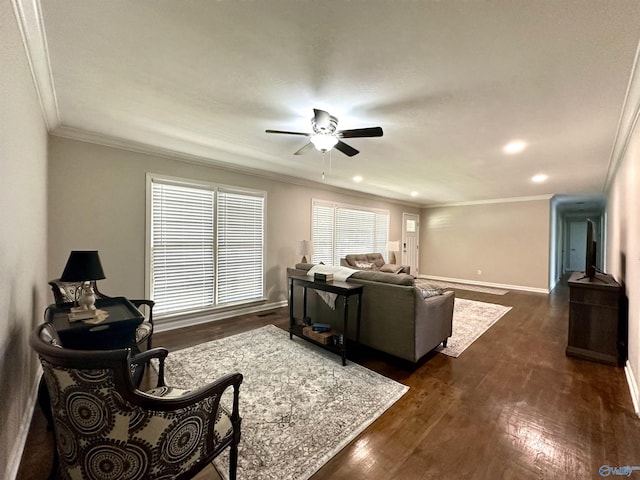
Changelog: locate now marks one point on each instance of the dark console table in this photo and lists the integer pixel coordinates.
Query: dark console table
(595, 324)
(345, 290)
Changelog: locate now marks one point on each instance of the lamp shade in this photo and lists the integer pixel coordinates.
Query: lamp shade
(304, 247)
(81, 266)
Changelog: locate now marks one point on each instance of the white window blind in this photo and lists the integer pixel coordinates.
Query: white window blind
(207, 246)
(182, 250)
(240, 246)
(323, 230)
(339, 230)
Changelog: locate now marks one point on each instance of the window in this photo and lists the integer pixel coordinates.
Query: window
(339, 230)
(206, 245)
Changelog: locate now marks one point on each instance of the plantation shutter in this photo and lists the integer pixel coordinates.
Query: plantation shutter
(182, 250)
(240, 246)
(340, 230)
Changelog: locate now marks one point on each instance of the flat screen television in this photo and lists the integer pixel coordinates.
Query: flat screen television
(591, 251)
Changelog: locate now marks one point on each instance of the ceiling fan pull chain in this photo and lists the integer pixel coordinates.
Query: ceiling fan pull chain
(323, 152)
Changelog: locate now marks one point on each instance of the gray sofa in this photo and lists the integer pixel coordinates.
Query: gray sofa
(372, 261)
(396, 318)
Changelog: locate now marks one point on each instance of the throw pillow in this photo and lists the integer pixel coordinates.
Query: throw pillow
(364, 266)
(391, 268)
(431, 292)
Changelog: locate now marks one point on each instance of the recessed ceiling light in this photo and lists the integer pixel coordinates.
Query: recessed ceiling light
(414, 194)
(513, 147)
(539, 178)
(357, 179)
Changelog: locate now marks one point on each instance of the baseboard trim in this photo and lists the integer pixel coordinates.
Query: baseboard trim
(173, 323)
(487, 284)
(13, 465)
(633, 388)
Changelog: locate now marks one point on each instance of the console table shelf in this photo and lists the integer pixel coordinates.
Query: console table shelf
(343, 289)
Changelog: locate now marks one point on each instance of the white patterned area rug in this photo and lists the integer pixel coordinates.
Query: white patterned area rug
(470, 320)
(299, 405)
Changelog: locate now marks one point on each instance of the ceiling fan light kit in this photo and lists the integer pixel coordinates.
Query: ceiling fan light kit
(324, 142)
(325, 134)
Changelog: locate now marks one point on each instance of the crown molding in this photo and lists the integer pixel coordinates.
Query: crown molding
(495, 200)
(31, 25)
(146, 149)
(627, 123)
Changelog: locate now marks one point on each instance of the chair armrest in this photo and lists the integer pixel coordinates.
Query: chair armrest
(212, 390)
(142, 301)
(160, 353)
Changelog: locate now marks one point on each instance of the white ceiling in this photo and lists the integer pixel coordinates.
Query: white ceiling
(449, 82)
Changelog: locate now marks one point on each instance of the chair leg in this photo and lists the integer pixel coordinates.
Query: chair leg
(233, 461)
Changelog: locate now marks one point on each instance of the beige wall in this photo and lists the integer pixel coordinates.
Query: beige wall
(23, 219)
(508, 242)
(97, 201)
(623, 239)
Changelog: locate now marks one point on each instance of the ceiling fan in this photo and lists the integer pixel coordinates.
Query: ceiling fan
(326, 135)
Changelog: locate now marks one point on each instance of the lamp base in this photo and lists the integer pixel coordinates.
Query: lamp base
(304, 259)
(392, 258)
(87, 298)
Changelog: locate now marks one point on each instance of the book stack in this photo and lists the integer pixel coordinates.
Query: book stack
(89, 316)
(323, 277)
(320, 327)
(324, 338)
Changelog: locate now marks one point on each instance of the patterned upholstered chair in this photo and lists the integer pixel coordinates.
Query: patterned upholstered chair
(65, 292)
(105, 428)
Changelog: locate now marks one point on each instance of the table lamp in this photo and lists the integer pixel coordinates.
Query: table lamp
(393, 246)
(83, 267)
(304, 248)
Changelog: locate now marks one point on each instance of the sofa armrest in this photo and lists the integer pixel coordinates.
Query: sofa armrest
(434, 321)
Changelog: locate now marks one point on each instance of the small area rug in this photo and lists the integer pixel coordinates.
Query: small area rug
(427, 282)
(470, 320)
(299, 405)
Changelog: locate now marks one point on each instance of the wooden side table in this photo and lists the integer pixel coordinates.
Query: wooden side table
(345, 290)
(118, 330)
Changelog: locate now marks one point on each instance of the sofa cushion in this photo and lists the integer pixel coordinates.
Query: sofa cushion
(304, 266)
(375, 258)
(395, 279)
(391, 268)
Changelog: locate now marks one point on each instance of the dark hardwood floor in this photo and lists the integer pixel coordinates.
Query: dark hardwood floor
(512, 406)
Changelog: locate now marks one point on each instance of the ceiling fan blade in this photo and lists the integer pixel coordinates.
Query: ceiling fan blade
(322, 118)
(288, 133)
(361, 132)
(346, 149)
(304, 149)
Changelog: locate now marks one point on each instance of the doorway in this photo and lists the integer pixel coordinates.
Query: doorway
(410, 243)
(577, 245)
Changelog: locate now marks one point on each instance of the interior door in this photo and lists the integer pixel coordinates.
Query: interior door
(577, 245)
(409, 245)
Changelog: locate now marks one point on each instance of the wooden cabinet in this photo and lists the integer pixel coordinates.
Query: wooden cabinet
(596, 330)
